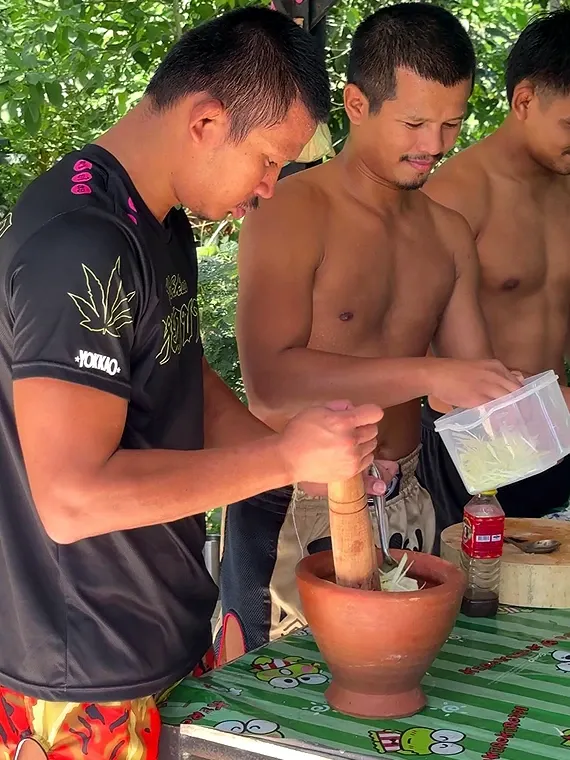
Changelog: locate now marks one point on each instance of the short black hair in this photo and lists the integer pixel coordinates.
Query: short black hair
(542, 54)
(423, 38)
(256, 61)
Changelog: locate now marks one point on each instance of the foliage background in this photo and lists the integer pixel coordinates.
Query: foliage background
(70, 68)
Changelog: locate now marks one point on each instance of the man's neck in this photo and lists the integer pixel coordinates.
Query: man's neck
(139, 144)
(366, 187)
(512, 157)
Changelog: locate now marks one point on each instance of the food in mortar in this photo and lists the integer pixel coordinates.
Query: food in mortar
(397, 579)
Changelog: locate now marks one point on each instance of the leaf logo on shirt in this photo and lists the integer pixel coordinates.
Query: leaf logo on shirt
(5, 224)
(106, 309)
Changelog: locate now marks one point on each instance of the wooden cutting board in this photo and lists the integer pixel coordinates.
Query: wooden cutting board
(527, 580)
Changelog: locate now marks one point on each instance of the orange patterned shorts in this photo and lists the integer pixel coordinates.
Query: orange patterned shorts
(127, 730)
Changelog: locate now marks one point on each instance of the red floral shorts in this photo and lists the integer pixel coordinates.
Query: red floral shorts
(127, 730)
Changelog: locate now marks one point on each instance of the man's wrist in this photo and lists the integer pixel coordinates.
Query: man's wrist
(272, 450)
(427, 376)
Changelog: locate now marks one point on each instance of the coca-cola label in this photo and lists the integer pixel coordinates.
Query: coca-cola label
(483, 536)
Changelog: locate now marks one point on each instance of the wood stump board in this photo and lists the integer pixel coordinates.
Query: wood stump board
(527, 580)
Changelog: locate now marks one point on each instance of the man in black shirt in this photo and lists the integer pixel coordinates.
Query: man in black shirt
(116, 437)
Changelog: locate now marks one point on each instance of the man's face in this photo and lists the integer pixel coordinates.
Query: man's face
(405, 139)
(229, 177)
(547, 129)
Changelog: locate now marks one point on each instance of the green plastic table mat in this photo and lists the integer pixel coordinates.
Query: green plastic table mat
(500, 688)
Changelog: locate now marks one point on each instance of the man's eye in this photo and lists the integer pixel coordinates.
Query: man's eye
(412, 126)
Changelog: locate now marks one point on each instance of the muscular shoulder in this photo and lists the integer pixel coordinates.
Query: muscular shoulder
(454, 232)
(294, 217)
(78, 252)
(79, 235)
(447, 221)
(463, 184)
(303, 194)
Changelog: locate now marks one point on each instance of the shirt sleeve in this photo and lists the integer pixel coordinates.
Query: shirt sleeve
(74, 298)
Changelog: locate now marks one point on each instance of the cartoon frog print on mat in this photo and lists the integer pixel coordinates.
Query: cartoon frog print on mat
(288, 673)
(562, 657)
(253, 727)
(418, 742)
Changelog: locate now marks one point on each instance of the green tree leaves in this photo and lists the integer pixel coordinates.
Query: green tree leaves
(70, 68)
(217, 295)
(54, 93)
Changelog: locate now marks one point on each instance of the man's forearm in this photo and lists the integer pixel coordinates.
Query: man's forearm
(227, 422)
(89, 485)
(302, 376)
(140, 488)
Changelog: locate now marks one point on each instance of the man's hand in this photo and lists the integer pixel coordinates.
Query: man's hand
(329, 443)
(374, 486)
(467, 384)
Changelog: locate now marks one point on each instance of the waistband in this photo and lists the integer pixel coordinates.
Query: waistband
(408, 464)
(405, 476)
(429, 416)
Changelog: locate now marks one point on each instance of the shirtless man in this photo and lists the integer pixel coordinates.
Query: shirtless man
(514, 190)
(346, 277)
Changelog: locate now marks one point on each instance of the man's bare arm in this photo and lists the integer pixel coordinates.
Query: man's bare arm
(227, 421)
(84, 485)
(280, 254)
(462, 332)
(461, 185)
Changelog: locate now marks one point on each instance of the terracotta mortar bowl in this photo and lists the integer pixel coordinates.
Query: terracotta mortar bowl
(378, 645)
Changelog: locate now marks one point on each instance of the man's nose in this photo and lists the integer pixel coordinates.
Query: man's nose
(432, 142)
(266, 187)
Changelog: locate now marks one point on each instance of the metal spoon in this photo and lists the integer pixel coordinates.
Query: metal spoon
(381, 525)
(542, 546)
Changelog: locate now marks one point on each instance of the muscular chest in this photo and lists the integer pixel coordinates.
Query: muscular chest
(524, 249)
(381, 287)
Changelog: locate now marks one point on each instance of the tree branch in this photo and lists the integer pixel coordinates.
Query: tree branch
(177, 18)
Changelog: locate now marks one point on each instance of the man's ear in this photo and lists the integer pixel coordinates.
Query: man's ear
(524, 96)
(356, 104)
(208, 122)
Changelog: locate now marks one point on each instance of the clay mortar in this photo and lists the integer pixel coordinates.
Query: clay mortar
(378, 645)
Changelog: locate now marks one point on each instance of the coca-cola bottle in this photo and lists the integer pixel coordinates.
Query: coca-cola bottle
(481, 550)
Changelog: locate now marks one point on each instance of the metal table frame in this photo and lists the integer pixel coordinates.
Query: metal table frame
(195, 742)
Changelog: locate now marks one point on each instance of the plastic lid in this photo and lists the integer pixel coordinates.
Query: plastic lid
(451, 420)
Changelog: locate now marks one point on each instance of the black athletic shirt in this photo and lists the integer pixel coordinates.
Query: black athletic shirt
(95, 291)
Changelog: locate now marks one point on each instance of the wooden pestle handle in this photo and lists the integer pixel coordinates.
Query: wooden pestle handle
(354, 552)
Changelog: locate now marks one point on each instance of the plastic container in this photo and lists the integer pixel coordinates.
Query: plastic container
(511, 438)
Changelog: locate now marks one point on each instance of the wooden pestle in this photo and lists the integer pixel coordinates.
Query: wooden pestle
(354, 552)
